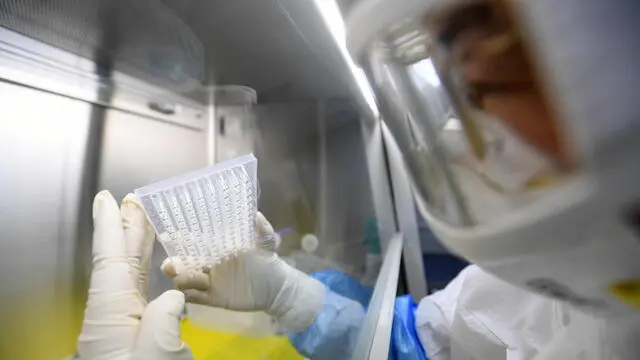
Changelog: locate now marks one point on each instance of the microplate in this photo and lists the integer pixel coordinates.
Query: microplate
(206, 216)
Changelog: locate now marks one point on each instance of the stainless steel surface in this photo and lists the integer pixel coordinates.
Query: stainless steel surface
(281, 48)
(32, 63)
(138, 151)
(346, 5)
(43, 145)
(414, 270)
(40, 66)
(61, 122)
(42, 162)
(375, 335)
(143, 38)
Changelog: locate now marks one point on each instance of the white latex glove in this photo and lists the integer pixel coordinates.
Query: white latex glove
(254, 281)
(118, 323)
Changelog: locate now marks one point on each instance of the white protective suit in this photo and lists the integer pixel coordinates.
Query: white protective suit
(478, 316)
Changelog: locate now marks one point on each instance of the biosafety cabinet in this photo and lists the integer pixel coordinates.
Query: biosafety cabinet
(115, 94)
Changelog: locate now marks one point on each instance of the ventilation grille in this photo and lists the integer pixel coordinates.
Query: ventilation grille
(142, 38)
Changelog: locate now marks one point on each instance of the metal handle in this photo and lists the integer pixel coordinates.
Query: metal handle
(164, 108)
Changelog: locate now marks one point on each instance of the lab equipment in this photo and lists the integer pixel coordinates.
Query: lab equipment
(118, 324)
(206, 216)
(520, 163)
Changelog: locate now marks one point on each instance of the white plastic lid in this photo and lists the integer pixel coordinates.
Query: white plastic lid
(309, 243)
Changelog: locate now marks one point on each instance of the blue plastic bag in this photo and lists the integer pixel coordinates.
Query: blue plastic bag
(405, 344)
(344, 285)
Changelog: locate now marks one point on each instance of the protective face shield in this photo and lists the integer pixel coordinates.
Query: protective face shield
(517, 121)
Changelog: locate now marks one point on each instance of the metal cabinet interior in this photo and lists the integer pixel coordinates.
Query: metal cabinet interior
(137, 151)
(43, 145)
(48, 138)
(64, 133)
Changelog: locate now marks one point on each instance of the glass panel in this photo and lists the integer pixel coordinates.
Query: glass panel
(314, 181)
(316, 192)
(375, 336)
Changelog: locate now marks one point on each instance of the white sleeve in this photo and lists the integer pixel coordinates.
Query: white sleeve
(434, 319)
(478, 316)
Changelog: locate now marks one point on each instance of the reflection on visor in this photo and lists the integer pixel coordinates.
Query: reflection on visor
(493, 89)
(483, 54)
(469, 113)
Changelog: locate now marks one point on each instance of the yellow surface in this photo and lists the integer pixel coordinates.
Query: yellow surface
(627, 291)
(214, 345)
(39, 327)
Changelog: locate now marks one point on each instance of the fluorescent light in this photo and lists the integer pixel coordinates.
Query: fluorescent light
(333, 19)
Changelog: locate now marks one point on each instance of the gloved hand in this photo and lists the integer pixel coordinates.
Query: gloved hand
(254, 281)
(118, 323)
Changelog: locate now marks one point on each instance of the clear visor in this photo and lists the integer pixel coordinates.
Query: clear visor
(462, 97)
